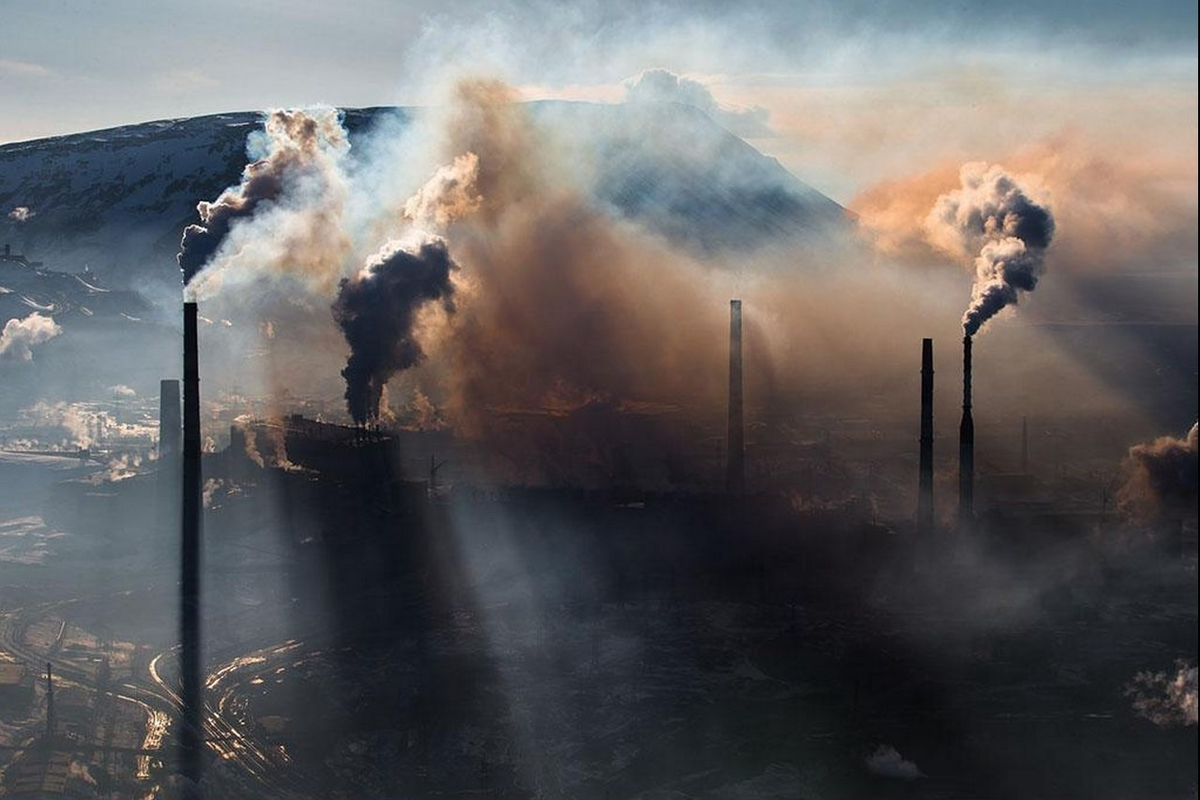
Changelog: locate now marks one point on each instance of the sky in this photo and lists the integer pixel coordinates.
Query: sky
(851, 93)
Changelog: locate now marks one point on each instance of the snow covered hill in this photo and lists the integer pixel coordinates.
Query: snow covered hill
(117, 200)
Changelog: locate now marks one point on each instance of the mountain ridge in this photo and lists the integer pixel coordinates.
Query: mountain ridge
(118, 198)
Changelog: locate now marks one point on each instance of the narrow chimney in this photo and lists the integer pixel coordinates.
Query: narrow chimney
(735, 476)
(169, 425)
(49, 704)
(966, 445)
(1024, 445)
(925, 496)
(191, 690)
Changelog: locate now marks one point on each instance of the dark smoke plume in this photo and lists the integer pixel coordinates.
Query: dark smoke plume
(299, 143)
(377, 310)
(992, 215)
(1163, 478)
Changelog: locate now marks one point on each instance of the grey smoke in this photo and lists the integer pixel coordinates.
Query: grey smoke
(297, 145)
(1163, 477)
(886, 762)
(1166, 699)
(993, 218)
(20, 336)
(664, 86)
(376, 310)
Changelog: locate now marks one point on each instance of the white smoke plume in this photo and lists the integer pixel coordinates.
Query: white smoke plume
(886, 762)
(1167, 700)
(21, 214)
(664, 86)
(450, 194)
(121, 390)
(993, 218)
(285, 217)
(20, 336)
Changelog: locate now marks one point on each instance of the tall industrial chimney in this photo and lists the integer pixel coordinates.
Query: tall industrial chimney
(1024, 445)
(966, 445)
(169, 426)
(925, 494)
(50, 721)
(191, 734)
(735, 465)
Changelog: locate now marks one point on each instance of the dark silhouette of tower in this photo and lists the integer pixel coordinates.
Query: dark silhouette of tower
(169, 426)
(966, 445)
(735, 464)
(50, 721)
(191, 734)
(925, 492)
(1024, 445)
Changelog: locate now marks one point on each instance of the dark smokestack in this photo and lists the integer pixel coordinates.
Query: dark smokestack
(169, 425)
(191, 697)
(49, 704)
(1024, 445)
(925, 494)
(966, 444)
(735, 476)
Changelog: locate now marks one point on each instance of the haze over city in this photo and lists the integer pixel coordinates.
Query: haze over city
(574, 402)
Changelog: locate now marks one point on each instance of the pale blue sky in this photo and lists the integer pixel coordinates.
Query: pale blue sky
(70, 65)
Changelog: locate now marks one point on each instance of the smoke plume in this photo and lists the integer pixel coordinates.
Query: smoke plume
(20, 336)
(376, 311)
(1166, 700)
(886, 762)
(664, 86)
(299, 176)
(562, 305)
(1162, 477)
(993, 216)
(21, 214)
(447, 196)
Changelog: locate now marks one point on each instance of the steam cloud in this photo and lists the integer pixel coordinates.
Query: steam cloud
(664, 86)
(376, 310)
(992, 215)
(1163, 477)
(20, 336)
(300, 172)
(886, 762)
(1166, 700)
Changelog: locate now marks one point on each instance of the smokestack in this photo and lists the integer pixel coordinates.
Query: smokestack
(169, 425)
(735, 476)
(191, 698)
(49, 704)
(925, 492)
(966, 444)
(1024, 445)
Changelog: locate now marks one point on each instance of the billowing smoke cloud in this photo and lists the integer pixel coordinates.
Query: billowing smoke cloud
(449, 195)
(664, 86)
(20, 336)
(377, 311)
(562, 305)
(1163, 478)
(992, 215)
(886, 762)
(1166, 699)
(21, 214)
(295, 192)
